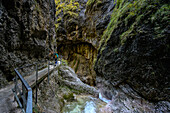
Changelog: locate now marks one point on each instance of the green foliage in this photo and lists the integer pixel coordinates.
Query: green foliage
(133, 13)
(56, 25)
(116, 50)
(68, 96)
(74, 62)
(76, 68)
(120, 9)
(59, 19)
(72, 14)
(36, 109)
(64, 62)
(37, 7)
(161, 16)
(66, 7)
(90, 2)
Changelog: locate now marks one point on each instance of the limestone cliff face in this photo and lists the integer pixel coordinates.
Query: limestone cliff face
(26, 28)
(135, 48)
(80, 24)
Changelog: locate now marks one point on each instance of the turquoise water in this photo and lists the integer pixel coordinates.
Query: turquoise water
(83, 104)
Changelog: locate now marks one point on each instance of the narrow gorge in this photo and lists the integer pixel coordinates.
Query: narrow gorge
(114, 55)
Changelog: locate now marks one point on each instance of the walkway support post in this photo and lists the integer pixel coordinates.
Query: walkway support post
(25, 101)
(24, 96)
(16, 82)
(29, 101)
(36, 83)
(48, 72)
(23, 93)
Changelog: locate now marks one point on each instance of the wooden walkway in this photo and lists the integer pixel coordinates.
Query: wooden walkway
(7, 103)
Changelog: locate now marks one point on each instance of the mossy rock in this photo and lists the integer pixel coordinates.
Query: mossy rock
(68, 96)
(136, 39)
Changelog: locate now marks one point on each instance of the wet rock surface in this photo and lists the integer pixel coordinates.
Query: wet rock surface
(135, 49)
(68, 77)
(78, 34)
(132, 60)
(124, 99)
(83, 104)
(65, 93)
(63, 87)
(26, 29)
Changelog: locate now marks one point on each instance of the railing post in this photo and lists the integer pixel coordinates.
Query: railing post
(15, 87)
(26, 106)
(36, 83)
(48, 72)
(16, 82)
(24, 96)
(29, 101)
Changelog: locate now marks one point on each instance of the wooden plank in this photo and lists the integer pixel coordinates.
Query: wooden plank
(41, 78)
(29, 83)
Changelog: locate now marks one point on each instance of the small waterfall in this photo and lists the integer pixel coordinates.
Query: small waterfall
(103, 99)
(90, 107)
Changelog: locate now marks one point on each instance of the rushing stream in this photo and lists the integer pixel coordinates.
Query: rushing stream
(83, 104)
(67, 94)
(123, 99)
(103, 99)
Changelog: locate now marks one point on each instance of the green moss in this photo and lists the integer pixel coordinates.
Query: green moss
(68, 90)
(76, 4)
(74, 62)
(69, 8)
(99, 2)
(58, 12)
(64, 62)
(131, 14)
(116, 50)
(115, 19)
(66, 6)
(72, 14)
(37, 7)
(35, 110)
(13, 73)
(68, 96)
(130, 32)
(153, 73)
(59, 19)
(161, 16)
(94, 60)
(56, 25)
(76, 68)
(90, 2)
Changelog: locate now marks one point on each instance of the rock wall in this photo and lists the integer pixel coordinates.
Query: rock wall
(64, 86)
(135, 49)
(79, 28)
(26, 30)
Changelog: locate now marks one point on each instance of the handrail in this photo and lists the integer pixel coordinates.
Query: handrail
(23, 80)
(26, 92)
(29, 102)
(28, 105)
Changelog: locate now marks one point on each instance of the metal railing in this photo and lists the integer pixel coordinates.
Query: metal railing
(23, 92)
